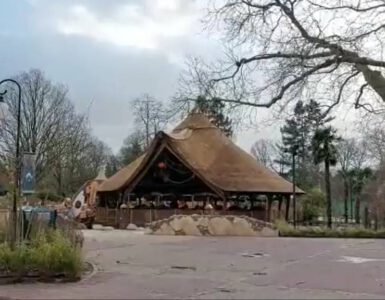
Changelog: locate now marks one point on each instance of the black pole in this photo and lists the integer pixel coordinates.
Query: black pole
(294, 196)
(16, 186)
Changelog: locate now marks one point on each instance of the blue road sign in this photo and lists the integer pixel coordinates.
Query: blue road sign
(28, 173)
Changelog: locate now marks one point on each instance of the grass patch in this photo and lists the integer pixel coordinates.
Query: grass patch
(287, 230)
(48, 253)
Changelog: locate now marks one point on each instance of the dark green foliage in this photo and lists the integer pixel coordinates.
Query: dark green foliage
(131, 149)
(324, 146)
(313, 204)
(358, 179)
(300, 128)
(298, 133)
(214, 109)
(283, 161)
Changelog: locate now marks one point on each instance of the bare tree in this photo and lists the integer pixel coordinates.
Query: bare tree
(265, 151)
(376, 145)
(44, 110)
(279, 50)
(150, 116)
(373, 132)
(66, 153)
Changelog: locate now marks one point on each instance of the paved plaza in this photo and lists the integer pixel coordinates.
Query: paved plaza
(133, 265)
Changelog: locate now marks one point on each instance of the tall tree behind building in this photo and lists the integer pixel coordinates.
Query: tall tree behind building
(215, 110)
(131, 149)
(324, 146)
(150, 117)
(298, 132)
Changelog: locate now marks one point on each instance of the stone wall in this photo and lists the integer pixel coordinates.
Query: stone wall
(212, 225)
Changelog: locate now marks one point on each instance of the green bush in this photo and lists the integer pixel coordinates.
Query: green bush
(313, 204)
(287, 230)
(48, 252)
(54, 252)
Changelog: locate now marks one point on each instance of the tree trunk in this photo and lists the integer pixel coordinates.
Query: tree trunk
(328, 193)
(358, 208)
(346, 199)
(374, 78)
(351, 202)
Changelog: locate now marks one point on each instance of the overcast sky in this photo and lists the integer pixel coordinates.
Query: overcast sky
(108, 52)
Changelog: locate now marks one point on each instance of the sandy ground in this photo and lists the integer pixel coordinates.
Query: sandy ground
(133, 265)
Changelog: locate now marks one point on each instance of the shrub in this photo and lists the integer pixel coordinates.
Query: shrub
(287, 230)
(48, 252)
(53, 252)
(313, 204)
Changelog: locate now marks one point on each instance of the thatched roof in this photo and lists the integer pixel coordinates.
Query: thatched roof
(213, 157)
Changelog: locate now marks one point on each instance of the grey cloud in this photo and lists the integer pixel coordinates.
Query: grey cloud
(95, 75)
(102, 77)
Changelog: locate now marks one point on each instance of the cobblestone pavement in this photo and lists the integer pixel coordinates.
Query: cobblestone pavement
(133, 265)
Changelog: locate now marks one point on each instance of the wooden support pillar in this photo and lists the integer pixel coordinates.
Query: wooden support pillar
(287, 208)
(280, 200)
(267, 208)
(224, 202)
(269, 203)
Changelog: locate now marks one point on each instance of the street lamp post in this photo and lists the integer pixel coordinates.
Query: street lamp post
(17, 159)
(294, 153)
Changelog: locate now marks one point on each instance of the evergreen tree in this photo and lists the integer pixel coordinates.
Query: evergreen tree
(324, 145)
(214, 109)
(298, 133)
(359, 178)
(283, 161)
(131, 149)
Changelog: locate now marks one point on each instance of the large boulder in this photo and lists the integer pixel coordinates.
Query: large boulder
(165, 229)
(241, 227)
(220, 226)
(184, 225)
(213, 225)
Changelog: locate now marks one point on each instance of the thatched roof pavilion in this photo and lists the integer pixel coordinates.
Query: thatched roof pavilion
(196, 157)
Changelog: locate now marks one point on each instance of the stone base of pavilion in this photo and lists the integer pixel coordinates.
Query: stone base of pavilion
(213, 225)
(120, 218)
